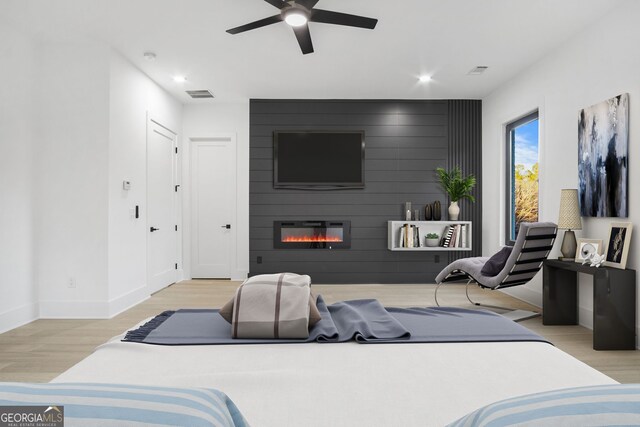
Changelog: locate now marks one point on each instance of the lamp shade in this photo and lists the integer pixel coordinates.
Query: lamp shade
(569, 218)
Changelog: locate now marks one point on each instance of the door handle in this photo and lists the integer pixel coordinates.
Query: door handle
(152, 229)
(228, 226)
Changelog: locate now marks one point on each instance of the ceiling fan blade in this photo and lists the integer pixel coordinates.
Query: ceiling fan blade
(257, 24)
(280, 4)
(309, 4)
(337, 18)
(304, 38)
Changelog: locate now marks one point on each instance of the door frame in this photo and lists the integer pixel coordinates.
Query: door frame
(188, 204)
(175, 200)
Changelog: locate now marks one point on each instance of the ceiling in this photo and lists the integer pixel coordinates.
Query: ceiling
(442, 38)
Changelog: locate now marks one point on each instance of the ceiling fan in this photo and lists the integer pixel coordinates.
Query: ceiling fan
(298, 13)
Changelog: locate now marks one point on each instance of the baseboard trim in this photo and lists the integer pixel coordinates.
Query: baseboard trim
(240, 275)
(17, 317)
(585, 317)
(525, 294)
(124, 302)
(74, 310)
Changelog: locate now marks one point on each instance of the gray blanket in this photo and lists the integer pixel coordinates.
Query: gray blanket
(365, 321)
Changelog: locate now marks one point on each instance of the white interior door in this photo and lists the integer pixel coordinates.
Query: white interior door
(212, 206)
(162, 242)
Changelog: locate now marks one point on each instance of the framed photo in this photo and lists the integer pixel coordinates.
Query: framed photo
(618, 244)
(587, 247)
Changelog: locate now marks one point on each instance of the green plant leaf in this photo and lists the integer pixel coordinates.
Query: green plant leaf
(455, 185)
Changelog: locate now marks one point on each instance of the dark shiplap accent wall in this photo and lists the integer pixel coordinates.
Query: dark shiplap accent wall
(405, 142)
(465, 151)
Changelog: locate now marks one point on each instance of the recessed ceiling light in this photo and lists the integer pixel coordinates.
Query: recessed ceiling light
(424, 78)
(149, 56)
(295, 18)
(179, 79)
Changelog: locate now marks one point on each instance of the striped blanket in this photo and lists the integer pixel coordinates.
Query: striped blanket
(605, 405)
(89, 404)
(272, 306)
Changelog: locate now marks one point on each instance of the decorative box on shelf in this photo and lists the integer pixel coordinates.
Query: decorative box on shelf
(411, 235)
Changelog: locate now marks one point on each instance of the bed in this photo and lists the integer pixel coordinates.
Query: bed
(345, 384)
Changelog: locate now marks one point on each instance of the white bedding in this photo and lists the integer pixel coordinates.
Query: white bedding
(306, 385)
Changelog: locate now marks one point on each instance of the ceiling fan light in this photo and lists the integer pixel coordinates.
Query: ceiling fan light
(295, 19)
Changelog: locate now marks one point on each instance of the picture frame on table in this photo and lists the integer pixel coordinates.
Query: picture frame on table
(617, 245)
(587, 247)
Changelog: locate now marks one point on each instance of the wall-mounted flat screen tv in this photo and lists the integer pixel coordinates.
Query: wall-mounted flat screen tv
(320, 160)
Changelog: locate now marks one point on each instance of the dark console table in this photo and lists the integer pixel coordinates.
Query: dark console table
(614, 302)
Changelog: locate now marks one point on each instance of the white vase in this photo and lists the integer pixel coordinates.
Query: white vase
(454, 211)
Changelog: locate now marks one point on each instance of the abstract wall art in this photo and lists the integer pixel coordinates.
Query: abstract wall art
(603, 139)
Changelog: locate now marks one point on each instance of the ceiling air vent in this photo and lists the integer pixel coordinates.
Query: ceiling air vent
(199, 94)
(476, 71)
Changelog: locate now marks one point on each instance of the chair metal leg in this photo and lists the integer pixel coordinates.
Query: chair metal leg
(515, 315)
(482, 305)
(435, 295)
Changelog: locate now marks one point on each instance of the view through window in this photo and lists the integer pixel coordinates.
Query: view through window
(522, 174)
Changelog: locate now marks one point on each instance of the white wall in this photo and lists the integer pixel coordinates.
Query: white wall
(73, 120)
(94, 115)
(597, 64)
(206, 120)
(132, 96)
(72, 158)
(18, 131)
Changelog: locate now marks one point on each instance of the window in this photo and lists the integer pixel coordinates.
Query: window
(522, 174)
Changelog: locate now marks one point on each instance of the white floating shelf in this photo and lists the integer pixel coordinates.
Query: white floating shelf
(426, 227)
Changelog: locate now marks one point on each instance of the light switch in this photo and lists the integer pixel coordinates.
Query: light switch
(126, 185)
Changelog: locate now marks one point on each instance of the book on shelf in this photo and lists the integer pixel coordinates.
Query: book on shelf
(458, 236)
(463, 241)
(444, 235)
(454, 237)
(447, 236)
(404, 236)
(409, 236)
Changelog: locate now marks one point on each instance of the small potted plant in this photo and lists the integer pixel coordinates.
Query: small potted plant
(457, 187)
(432, 240)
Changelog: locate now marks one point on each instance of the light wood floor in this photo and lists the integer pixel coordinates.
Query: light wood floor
(43, 349)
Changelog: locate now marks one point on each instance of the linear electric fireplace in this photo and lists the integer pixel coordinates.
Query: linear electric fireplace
(312, 234)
